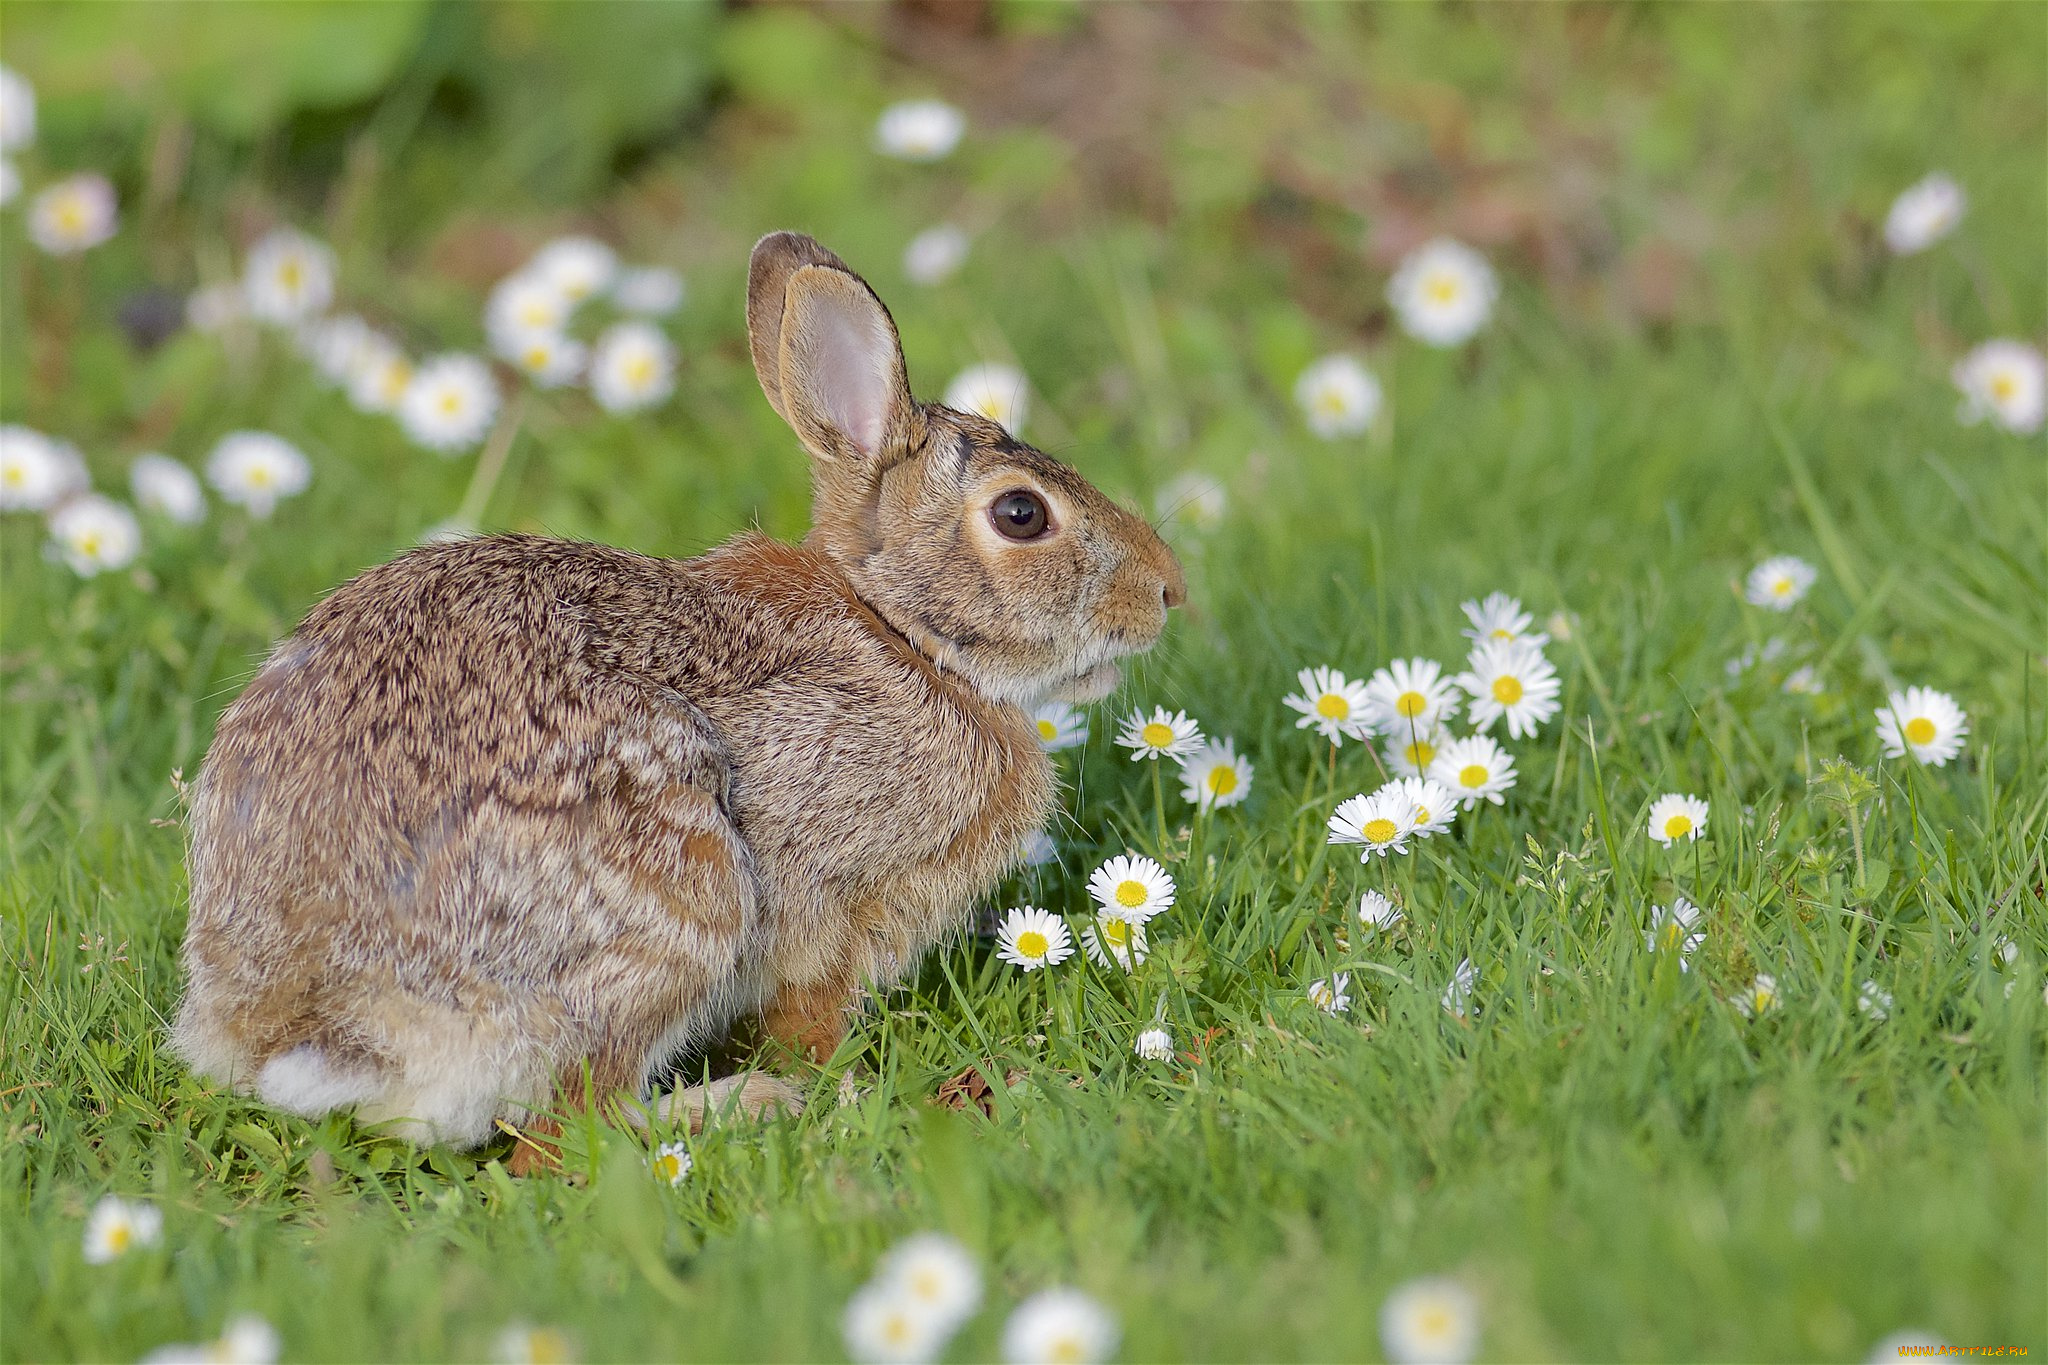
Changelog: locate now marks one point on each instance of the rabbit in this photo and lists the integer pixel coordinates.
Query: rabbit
(511, 818)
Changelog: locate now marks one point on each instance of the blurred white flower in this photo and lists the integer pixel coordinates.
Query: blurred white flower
(935, 254)
(671, 1162)
(1377, 913)
(95, 535)
(1509, 679)
(1804, 681)
(1414, 752)
(632, 367)
(1475, 768)
(919, 130)
(1154, 1045)
(1779, 583)
(1214, 776)
(1431, 806)
(1443, 292)
(1338, 395)
(382, 376)
(1500, 617)
(247, 1340)
(1332, 996)
(649, 290)
(1926, 723)
(215, 307)
(1039, 849)
(17, 111)
(1059, 1327)
(523, 306)
(449, 404)
(1191, 496)
(73, 215)
(1924, 214)
(883, 1326)
(2006, 381)
(1874, 1000)
(289, 277)
(936, 1274)
(1411, 696)
(1115, 942)
(1673, 929)
(998, 392)
(255, 469)
(1433, 1321)
(118, 1226)
(578, 267)
(163, 486)
(1332, 704)
(1759, 998)
(1674, 816)
(36, 471)
(1457, 999)
(336, 346)
(1060, 725)
(550, 359)
(524, 1344)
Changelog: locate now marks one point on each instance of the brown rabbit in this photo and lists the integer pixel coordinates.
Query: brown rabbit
(509, 808)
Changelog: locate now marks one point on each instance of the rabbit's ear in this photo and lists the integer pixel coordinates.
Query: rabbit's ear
(830, 362)
(776, 257)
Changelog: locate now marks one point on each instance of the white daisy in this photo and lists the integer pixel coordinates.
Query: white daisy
(17, 111)
(288, 277)
(449, 404)
(919, 130)
(1410, 697)
(936, 1274)
(524, 1344)
(1000, 393)
(254, 470)
(381, 377)
(1874, 1000)
(1338, 395)
(1773, 649)
(1336, 706)
(163, 486)
(1924, 214)
(1674, 817)
(1475, 768)
(1923, 722)
(95, 535)
(1779, 583)
(36, 471)
(1376, 913)
(578, 267)
(883, 1326)
(1759, 998)
(1113, 941)
(1672, 929)
(335, 346)
(1443, 292)
(649, 291)
(1511, 679)
(1500, 617)
(1412, 753)
(936, 254)
(1193, 497)
(633, 366)
(1331, 996)
(1216, 776)
(1032, 938)
(1457, 998)
(1431, 807)
(1059, 1327)
(1433, 1321)
(1162, 734)
(2006, 381)
(247, 1340)
(1154, 1045)
(118, 1227)
(672, 1162)
(1377, 823)
(1039, 849)
(1803, 681)
(1132, 887)
(549, 359)
(215, 307)
(1060, 726)
(73, 215)
(2006, 951)
(521, 306)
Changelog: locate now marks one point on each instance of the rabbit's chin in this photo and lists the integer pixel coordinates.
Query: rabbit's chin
(1097, 683)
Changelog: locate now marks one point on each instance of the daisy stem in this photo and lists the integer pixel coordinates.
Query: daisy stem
(491, 464)
(1856, 839)
(1159, 807)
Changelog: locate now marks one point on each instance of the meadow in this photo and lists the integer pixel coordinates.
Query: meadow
(1703, 354)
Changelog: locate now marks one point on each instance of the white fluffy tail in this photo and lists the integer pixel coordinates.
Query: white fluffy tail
(306, 1082)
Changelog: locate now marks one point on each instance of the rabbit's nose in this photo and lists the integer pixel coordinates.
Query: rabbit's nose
(1173, 592)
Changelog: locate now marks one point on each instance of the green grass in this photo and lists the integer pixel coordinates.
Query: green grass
(1615, 1163)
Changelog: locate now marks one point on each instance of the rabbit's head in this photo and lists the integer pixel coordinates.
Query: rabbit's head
(995, 560)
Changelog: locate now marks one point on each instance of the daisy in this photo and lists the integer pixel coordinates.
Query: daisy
(1803, 681)
(449, 404)
(117, 1227)
(95, 535)
(1059, 1327)
(1410, 696)
(650, 291)
(1060, 726)
(2006, 381)
(1475, 768)
(578, 267)
(997, 392)
(288, 277)
(672, 1162)
(1160, 735)
(885, 1327)
(1032, 938)
(1412, 754)
(1332, 996)
(1194, 497)
(524, 1344)
(1216, 776)
(1672, 930)
(633, 366)
(382, 375)
(935, 255)
(549, 359)
(163, 486)
(1338, 395)
(215, 307)
(1130, 887)
(1443, 292)
(73, 215)
(1431, 807)
(1500, 617)
(1923, 215)
(1379, 823)
(919, 130)
(1039, 849)
(1113, 941)
(1779, 583)
(254, 469)
(521, 306)
(247, 1340)
(1759, 999)
(1926, 723)
(1154, 1045)
(1874, 1000)
(1428, 1321)
(1674, 817)
(1457, 998)
(1333, 704)
(1377, 913)
(17, 111)
(335, 346)
(36, 472)
(935, 1273)
(1511, 679)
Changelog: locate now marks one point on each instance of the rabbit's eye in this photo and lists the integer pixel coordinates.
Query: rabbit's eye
(1019, 515)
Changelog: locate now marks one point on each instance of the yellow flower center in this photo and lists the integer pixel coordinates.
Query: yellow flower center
(1503, 633)
(1440, 288)
(1421, 814)
(548, 1347)
(1781, 587)
(70, 215)
(290, 275)
(1031, 943)
(1411, 704)
(1434, 1323)
(2003, 386)
(1117, 931)
(1223, 781)
(258, 476)
(1673, 932)
(1677, 826)
(1919, 730)
(640, 371)
(1065, 1351)
(1047, 731)
(89, 544)
(1381, 830)
(15, 475)
(451, 403)
(1421, 753)
(668, 1168)
(925, 1284)
(1333, 707)
(1472, 775)
(119, 1237)
(396, 379)
(1156, 735)
(1131, 894)
(537, 358)
(537, 314)
(1507, 691)
(1331, 403)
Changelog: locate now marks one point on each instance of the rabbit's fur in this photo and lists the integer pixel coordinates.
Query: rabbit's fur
(509, 812)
